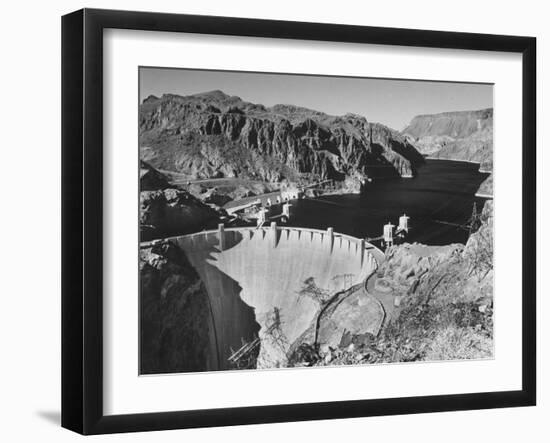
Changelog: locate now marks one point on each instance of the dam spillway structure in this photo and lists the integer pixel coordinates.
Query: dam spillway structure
(252, 274)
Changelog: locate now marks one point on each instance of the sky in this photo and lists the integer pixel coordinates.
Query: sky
(390, 102)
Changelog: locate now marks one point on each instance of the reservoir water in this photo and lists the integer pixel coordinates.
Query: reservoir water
(442, 190)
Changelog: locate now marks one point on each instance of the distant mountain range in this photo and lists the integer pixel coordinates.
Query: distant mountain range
(216, 135)
(464, 135)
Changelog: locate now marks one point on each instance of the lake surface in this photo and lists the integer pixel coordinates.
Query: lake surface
(442, 191)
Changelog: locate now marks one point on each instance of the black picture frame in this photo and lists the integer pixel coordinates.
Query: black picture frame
(82, 218)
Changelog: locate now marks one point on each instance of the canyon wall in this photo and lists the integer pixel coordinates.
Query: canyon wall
(464, 135)
(216, 135)
(176, 328)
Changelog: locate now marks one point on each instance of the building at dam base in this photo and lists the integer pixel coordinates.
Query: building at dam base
(256, 279)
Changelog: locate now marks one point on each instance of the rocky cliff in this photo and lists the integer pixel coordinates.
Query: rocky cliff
(443, 298)
(177, 333)
(465, 135)
(215, 135)
(456, 125)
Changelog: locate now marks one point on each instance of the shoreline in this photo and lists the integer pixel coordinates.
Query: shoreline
(453, 160)
(459, 161)
(482, 195)
(480, 169)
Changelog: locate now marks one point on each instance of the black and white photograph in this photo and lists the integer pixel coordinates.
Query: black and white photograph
(299, 221)
(275, 222)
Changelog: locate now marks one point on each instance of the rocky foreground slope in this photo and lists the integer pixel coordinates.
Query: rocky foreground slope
(215, 135)
(175, 322)
(445, 306)
(465, 135)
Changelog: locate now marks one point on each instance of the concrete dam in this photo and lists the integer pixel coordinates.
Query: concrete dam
(255, 277)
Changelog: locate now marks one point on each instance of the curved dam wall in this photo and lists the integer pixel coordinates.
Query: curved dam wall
(250, 273)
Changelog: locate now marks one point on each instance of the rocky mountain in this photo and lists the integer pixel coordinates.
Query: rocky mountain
(464, 135)
(213, 135)
(460, 124)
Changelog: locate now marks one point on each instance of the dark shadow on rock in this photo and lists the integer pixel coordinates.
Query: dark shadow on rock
(234, 321)
(377, 166)
(191, 330)
(175, 331)
(171, 212)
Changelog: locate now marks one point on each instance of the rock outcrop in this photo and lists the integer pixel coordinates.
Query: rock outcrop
(177, 334)
(464, 272)
(150, 179)
(465, 135)
(215, 135)
(168, 212)
(446, 295)
(486, 188)
(443, 306)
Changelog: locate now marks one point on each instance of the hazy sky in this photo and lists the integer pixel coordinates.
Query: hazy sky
(391, 102)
